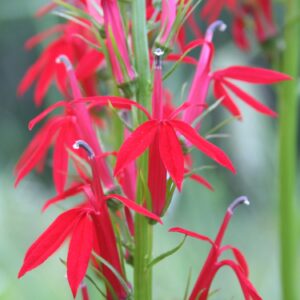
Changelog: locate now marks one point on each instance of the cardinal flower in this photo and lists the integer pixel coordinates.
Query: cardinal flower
(63, 130)
(45, 70)
(222, 84)
(214, 263)
(90, 229)
(161, 133)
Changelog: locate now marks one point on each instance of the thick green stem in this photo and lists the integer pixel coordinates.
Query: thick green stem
(287, 156)
(143, 230)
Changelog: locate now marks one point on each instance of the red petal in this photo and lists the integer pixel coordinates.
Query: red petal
(50, 240)
(202, 181)
(60, 161)
(219, 93)
(131, 204)
(203, 145)
(44, 113)
(77, 188)
(157, 178)
(115, 101)
(171, 153)
(252, 74)
(186, 59)
(239, 257)
(39, 152)
(80, 250)
(250, 100)
(136, 144)
(192, 234)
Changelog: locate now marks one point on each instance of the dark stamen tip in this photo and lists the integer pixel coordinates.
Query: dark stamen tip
(84, 145)
(158, 53)
(237, 202)
(63, 59)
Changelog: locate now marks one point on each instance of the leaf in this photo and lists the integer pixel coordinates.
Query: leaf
(252, 74)
(50, 240)
(171, 153)
(136, 144)
(186, 292)
(203, 145)
(137, 208)
(101, 260)
(166, 254)
(79, 253)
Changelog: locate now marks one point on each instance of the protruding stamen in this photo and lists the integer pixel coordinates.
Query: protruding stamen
(217, 25)
(63, 59)
(84, 145)
(158, 53)
(237, 202)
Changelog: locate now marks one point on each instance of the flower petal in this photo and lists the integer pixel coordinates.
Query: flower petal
(192, 234)
(203, 145)
(171, 153)
(252, 74)
(80, 250)
(131, 204)
(136, 144)
(251, 101)
(50, 240)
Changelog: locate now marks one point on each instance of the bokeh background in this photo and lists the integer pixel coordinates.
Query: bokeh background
(252, 145)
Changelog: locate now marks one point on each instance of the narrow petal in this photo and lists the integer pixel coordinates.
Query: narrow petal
(114, 101)
(50, 240)
(203, 145)
(74, 190)
(171, 153)
(37, 154)
(45, 113)
(221, 93)
(136, 144)
(202, 181)
(192, 234)
(137, 208)
(79, 254)
(238, 256)
(251, 101)
(60, 159)
(252, 74)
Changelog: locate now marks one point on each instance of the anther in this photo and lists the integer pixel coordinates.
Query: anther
(217, 25)
(63, 59)
(237, 202)
(158, 53)
(84, 145)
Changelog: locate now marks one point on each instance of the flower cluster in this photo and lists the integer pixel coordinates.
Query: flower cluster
(126, 155)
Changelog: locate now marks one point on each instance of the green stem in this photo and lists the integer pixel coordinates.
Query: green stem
(287, 156)
(143, 230)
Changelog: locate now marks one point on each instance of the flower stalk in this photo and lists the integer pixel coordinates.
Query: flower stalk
(287, 157)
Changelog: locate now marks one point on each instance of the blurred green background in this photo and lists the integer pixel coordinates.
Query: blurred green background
(252, 145)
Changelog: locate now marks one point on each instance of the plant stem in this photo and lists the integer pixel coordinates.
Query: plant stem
(287, 156)
(143, 230)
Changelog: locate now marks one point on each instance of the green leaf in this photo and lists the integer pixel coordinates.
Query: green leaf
(101, 260)
(166, 254)
(187, 287)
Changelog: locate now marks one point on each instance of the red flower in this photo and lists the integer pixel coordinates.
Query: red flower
(254, 75)
(45, 69)
(212, 264)
(75, 123)
(90, 228)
